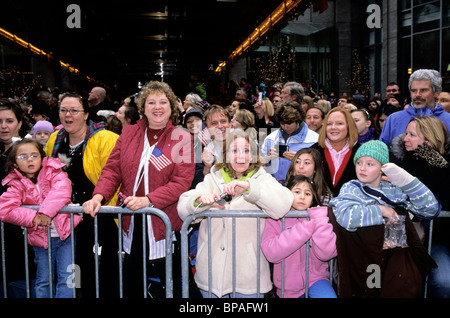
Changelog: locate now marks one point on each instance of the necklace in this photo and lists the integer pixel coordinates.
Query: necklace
(73, 149)
(155, 133)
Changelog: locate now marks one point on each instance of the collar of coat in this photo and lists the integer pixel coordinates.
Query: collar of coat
(93, 128)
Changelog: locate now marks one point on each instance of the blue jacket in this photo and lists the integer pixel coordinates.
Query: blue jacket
(396, 123)
(354, 207)
(303, 139)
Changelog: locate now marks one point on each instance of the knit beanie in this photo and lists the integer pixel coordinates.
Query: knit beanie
(42, 125)
(375, 149)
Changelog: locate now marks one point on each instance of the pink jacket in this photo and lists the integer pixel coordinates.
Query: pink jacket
(54, 192)
(290, 245)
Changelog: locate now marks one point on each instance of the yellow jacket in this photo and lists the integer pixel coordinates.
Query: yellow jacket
(97, 152)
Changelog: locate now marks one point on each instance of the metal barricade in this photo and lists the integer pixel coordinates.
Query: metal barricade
(258, 215)
(144, 212)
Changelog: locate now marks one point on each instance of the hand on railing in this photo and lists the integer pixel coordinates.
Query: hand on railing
(93, 205)
(42, 220)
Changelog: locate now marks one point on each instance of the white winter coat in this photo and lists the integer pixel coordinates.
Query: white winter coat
(265, 194)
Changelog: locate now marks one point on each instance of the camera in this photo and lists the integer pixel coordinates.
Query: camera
(282, 149)
(224, 197)
(122, 198)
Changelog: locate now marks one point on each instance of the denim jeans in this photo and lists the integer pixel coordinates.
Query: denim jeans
(439, 277)
(321, 289)
(61, 265)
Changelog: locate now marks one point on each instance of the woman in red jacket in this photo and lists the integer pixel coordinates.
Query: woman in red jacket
(153, 162)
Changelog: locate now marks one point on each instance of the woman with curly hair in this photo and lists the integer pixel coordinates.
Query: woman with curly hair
(153, 163)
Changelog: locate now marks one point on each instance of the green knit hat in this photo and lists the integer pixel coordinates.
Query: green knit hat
(375, 149)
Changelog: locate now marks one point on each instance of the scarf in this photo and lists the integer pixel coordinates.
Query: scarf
(337, 161)
(93, 128)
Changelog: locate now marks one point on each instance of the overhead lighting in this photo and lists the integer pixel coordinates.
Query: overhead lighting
(35, 50)
(278, 14)
(220, 67)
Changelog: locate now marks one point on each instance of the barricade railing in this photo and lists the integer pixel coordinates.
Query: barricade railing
(168, 248)
(258, 214)
(233, 214)
(117, 211)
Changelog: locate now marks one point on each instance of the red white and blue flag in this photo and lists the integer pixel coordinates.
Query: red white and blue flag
(159, 159)
(204, 136)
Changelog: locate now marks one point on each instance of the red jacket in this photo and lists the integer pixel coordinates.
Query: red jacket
(165, 186)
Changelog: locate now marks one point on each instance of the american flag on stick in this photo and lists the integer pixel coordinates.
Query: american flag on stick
(204, 136)
(159, 159)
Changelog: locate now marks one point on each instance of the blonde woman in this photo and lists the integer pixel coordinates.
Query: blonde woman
(243, 176)
(338, 143)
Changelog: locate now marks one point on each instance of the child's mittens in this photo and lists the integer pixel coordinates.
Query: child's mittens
(318, 212)
(398, 176)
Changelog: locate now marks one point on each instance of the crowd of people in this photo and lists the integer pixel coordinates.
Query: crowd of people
(371, 172)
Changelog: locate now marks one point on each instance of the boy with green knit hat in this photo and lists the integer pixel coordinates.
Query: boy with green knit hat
(360, 202)
(365, 218)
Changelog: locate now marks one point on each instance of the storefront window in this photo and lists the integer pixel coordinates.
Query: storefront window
(426, 50)
(427, 17)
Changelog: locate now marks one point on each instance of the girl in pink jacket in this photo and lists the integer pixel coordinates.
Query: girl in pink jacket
(289, 245)
(34, 179)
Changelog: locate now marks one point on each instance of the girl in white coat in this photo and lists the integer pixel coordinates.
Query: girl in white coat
(243, 177)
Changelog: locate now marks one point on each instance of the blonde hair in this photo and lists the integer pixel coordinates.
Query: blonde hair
(351, 128)
(255, 161)
(153, 87)
(215, 109)
(245, 118)
(433, 130)
(269, 107)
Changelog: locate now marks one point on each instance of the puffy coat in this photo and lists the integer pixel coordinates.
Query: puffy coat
(265, 194)
(98, 148)
(397, 122)
(165, 186)
(54, 192)
(290, 245)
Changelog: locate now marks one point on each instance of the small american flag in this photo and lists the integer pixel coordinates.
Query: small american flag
(159, 160)
(204, 136)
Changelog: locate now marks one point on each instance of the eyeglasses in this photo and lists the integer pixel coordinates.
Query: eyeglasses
(73, 112)
(24, 157)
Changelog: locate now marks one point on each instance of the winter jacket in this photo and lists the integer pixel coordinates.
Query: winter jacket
(397, 272)
(303, 139)
(95, 154)
(165, 186)
(425, 166)
(265, 194)
(356, 207)
(397, 122)
(347, 174)
(433, 170)
(290, 245)
(52, 193)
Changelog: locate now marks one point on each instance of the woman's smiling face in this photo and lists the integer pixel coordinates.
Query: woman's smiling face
(158, 110)
(337, 127)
